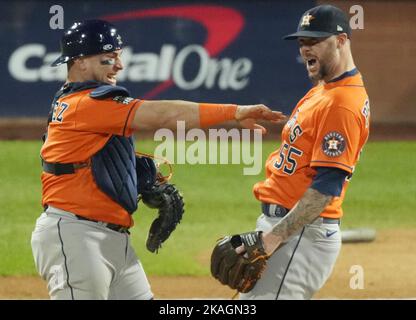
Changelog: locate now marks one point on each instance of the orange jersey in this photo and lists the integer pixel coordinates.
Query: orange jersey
(80, 127)
(328, 128)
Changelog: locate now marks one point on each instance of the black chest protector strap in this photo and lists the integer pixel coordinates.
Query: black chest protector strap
(58, 169)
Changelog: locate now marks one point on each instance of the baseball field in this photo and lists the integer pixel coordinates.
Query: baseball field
(219, 201)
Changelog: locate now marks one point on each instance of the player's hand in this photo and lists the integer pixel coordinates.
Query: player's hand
(270, 241)
(247, 116)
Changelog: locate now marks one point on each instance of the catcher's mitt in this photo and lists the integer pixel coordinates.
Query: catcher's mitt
(239, 271)
(169, 201)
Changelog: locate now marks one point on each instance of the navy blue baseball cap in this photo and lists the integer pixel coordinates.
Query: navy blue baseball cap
(321, 21)
(88, 38)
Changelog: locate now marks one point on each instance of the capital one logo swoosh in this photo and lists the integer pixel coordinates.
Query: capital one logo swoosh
(222, 24)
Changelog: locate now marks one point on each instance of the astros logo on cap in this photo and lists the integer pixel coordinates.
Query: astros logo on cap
(306, 20)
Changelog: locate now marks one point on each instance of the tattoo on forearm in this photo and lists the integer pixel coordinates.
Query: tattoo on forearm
(305, 211)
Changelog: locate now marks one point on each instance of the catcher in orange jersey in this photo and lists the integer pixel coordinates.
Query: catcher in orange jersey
(294, 248)
(92, 177)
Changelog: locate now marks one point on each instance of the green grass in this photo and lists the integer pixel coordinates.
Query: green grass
(218, 200)
(382, 193)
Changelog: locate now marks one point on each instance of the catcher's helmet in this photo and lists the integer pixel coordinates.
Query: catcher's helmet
(87, 38)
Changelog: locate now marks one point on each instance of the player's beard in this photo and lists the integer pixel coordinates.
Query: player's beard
(321, 74)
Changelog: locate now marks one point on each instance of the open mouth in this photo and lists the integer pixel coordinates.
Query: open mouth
(311, 62)
(111, 78)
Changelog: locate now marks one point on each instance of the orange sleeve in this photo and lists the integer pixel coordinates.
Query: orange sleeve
(338, 140)
(212, 113)
(112, 115)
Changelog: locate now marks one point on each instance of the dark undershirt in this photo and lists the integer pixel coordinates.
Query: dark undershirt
(329, 181)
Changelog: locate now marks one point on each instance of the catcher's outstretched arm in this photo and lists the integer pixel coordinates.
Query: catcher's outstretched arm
(308, 208)
(165, 114)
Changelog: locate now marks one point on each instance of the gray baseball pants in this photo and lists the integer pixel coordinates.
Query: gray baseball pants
(297, 270)
(82, 259)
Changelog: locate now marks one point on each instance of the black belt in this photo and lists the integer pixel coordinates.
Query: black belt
(112, 226)
(58, 169)
(276, 210)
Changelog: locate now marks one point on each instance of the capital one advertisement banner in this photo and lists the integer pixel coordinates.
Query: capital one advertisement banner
(229, 52)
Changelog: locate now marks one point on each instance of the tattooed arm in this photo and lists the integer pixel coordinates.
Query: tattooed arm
(308, 208)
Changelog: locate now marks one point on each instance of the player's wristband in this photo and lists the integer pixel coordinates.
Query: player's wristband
(212, 114)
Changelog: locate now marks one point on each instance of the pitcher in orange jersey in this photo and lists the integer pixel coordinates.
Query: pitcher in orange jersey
(81, 242)
(306, 179)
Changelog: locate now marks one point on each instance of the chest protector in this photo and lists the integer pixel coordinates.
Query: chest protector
(114, 171)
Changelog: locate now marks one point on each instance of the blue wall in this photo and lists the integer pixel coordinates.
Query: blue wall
(226, 52)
